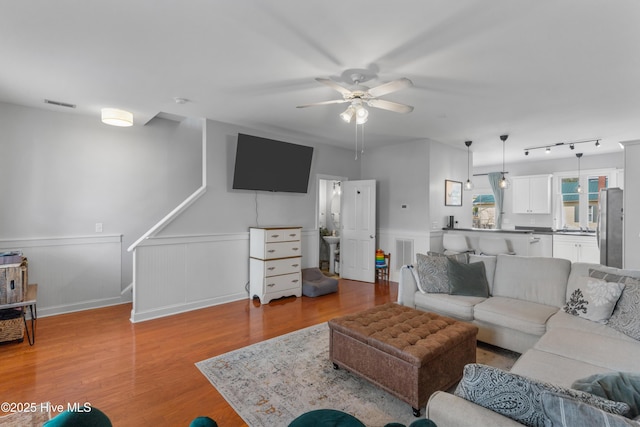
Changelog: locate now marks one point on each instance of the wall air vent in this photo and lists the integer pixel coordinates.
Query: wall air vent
(59, 104)
(404, 253)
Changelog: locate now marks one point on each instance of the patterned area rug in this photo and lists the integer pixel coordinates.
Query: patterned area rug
(24, 419)
(273, 382)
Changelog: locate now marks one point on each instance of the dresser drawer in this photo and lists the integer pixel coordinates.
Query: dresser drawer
(282, 235)
(282, 250)
(279, 283)
(277, 267)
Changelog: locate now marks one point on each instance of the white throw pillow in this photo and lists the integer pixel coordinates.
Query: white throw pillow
(593, 298)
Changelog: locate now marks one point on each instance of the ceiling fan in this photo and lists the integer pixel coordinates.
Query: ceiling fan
(361, 95)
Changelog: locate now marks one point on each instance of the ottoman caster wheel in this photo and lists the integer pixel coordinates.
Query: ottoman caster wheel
(416, 412)
(336, 367)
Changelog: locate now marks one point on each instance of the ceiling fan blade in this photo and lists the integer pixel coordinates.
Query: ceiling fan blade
(390, 105)
(333, 85)
(389, 87)
(335, 101)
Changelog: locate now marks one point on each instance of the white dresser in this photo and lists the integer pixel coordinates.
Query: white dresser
(275, 262)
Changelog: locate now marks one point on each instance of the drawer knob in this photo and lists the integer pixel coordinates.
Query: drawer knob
(271, 285)
(271, 251)
(271, 268)
(294, 265)
(275, 235)
(295, 281)
(296, 249)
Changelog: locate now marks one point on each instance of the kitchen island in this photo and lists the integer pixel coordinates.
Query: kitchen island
(537, 241)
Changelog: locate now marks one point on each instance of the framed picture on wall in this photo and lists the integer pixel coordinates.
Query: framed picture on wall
(452, 193)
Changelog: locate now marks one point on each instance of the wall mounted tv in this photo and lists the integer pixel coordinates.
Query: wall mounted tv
(269, 165)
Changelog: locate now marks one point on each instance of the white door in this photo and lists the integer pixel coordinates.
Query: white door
(358, 237)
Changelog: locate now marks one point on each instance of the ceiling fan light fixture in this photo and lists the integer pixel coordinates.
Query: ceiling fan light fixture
(117, 117)
(361, 115)
(348, 114)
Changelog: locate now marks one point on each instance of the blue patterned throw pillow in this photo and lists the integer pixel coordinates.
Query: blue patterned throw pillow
(518, 397)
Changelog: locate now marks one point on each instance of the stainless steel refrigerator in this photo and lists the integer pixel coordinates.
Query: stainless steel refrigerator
(609, 232)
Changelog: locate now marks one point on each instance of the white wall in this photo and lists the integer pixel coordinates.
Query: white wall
(201, 258)
(62, 173)
(447, 163)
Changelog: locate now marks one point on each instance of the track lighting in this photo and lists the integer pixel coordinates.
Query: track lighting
(572, 146)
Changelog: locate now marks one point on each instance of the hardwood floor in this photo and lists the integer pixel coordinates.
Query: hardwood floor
(143, 374)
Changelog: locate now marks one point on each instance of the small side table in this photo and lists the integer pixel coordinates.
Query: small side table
(29, 301)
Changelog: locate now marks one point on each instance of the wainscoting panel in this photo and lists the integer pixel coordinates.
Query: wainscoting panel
(178, 274)
(73, 273)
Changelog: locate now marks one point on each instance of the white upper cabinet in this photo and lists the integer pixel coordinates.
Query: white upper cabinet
(531, 194)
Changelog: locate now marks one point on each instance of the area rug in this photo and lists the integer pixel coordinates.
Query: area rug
(273, 382)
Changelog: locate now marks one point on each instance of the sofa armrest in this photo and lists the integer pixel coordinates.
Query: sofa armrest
(407, 287)
(447, 410)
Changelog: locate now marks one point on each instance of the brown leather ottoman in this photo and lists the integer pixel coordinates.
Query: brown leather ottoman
(407, 352)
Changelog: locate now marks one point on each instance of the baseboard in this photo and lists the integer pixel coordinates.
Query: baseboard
(183, 308)
(85, 305)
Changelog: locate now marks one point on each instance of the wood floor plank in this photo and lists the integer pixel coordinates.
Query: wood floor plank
(144, 374)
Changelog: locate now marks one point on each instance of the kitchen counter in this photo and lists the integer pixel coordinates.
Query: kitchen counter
(524, 230)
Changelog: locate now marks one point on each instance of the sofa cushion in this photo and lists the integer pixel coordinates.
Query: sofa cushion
(457, 306)
(468, 279)
(617, 386)
(592, 298)
(554, 368)
(518, 397)
(567, 321)
(563, 411)
(600, 350)
(525, 316)
(489, 266)
(433, 273)
(536, 279)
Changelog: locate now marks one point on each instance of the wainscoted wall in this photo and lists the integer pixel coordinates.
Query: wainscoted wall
(408, 242)
(177, 274)
(73, 273)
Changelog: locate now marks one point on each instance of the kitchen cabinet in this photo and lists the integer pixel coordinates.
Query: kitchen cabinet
(531, 194)
(576, 248)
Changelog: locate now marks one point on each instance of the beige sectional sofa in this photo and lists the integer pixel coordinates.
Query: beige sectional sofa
(523, 313)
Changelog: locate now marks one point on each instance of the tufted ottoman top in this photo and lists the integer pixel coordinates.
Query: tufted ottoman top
(412, 335)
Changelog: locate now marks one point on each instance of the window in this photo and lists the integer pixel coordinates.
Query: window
(483, 211)
(580, 209)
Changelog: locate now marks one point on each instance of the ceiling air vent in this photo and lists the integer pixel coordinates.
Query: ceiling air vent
(59, 104)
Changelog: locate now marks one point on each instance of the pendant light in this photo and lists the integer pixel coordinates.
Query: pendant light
(579, 189)
(468, 185)
(504, 183)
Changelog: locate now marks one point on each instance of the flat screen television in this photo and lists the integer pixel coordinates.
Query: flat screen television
(270, 165)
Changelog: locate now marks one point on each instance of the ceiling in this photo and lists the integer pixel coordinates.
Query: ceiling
(544, 71)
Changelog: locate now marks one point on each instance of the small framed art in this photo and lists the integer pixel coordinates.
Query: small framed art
(452, 193)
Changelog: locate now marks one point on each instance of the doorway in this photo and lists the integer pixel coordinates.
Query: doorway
(329, 222)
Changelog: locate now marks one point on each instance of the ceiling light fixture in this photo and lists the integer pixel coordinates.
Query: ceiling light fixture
(117, 117)
(572, 145)
(504, 183)
(348, 114)
(579, 156)
(468, 185)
